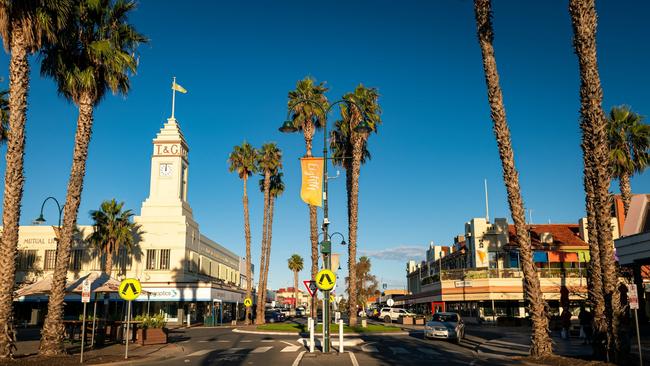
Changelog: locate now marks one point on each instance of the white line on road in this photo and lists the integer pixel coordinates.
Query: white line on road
(232, 350)
(224, 341)
(368, 348)
(246, 341)
(200, 353)
(291, 344)
(204, 341)
(291, 348)
(267, 340)
(261, 349)
(353, 358)
(296, 362)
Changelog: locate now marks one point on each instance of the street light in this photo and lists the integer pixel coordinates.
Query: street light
(40, 219)
(288, 126)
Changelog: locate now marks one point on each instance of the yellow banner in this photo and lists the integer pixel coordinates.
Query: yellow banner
(312, 181)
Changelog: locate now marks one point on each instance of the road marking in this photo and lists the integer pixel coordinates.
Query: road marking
(224, 341)
(261, 349)
(185, 341)
(428, 351)
(200, 353)
(353, 358)
(291, 344)
(367, 348)
(204, 341)
(267, 340)
(397, 350)
(296, 362)
(290, 348)
(232, 350)
(246, 341)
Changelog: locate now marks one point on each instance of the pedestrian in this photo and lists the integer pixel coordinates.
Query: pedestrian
(566, 323)
(586, 328)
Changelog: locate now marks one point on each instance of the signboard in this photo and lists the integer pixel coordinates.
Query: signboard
(390, 302)
(311, 287)
(632, 296)
(85, 291)
(248, 302)
(130, 289)
(325, 280)
(462, 283)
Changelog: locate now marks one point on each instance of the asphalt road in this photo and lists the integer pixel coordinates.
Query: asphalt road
(214, 346)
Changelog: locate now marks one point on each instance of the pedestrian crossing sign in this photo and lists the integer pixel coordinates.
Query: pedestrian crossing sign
(248, 302)
(325, 280)
(130, 289)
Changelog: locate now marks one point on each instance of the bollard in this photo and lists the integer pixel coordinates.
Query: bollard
(340, 335)
(311, 335)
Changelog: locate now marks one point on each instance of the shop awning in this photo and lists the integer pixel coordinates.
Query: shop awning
(569, 257)
(554, 257)
(539, 256)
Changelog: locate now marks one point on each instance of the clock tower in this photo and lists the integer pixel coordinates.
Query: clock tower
(169, 173)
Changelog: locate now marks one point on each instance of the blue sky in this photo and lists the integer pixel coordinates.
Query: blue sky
(238, 60)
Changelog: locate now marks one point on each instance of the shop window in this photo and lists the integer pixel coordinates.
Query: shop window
(151, 259)
(75, 259)
(26, 260)
(164, 259)
(195, 262)
(50, 259)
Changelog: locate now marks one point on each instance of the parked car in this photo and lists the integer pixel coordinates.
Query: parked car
(445, 326)
(273, 316)
(300, 311)
(393, 314)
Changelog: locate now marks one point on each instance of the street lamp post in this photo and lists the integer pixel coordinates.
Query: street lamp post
(40, 219)
(326, 245)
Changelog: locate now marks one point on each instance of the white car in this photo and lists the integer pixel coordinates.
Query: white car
(445, 326)
(393, 314)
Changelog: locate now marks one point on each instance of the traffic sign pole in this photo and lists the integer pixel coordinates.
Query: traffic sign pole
(128, 320)
(83, 335)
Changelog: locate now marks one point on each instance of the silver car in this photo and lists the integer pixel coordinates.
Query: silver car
(445, 326)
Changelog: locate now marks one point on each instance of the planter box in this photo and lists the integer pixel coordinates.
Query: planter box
(407, 320)
(419, 321)
(148, 336)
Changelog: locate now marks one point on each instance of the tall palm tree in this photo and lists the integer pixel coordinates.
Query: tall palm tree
(296, 265)
(276, 189)
(270, 161)
(596, 157)
(308, 117)
(243, 160)
(113, 230)
(629, 140)
(540, 342)
(25, 26)
(4, 115)
(367, 100)
(98, 55)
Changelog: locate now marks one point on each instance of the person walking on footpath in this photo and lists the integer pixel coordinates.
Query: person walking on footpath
(566, 323)
(586, 329)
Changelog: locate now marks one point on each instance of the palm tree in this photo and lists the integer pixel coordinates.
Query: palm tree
(347, 141)
(307, 117)
(113, 230)
(596, 157)
(276, 189)
(270, 161)
(4, 115)
(98, 55)
(541, 342)
(295, 263)
(243, 160)
(629, 140)
(25, 27)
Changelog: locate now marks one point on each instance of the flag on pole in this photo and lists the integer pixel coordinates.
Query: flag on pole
(312, 181)
(178, 88)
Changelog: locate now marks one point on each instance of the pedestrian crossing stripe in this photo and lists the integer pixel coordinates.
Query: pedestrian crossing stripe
(130, 289)
(325, 280)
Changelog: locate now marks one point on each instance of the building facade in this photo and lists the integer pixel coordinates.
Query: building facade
(480, 276)
(184, 272)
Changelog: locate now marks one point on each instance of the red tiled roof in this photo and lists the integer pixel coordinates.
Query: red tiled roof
(563, 234)
(288, 289)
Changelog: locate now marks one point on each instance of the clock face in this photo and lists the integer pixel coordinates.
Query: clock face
(165, 170)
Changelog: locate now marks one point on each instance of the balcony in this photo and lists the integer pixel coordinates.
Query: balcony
(467, 274)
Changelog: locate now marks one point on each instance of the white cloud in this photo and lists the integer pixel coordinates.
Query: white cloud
(402, 253)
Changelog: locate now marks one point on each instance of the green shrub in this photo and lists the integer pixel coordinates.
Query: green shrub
(154, 321)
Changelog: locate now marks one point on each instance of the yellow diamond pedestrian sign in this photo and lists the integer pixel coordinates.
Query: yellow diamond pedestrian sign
(325, 280)
(248, 302)
(130, 289)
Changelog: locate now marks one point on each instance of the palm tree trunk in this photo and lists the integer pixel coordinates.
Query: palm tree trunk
(247, 235)
(14, 181)
(583, 18)
(53, 329)
(269, 237)
(259, 319)
(540, 342)
(109, 263)
(353, 221)
(626, 191)
(295, 289)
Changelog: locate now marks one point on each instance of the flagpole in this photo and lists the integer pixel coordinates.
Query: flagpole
(173, 96)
